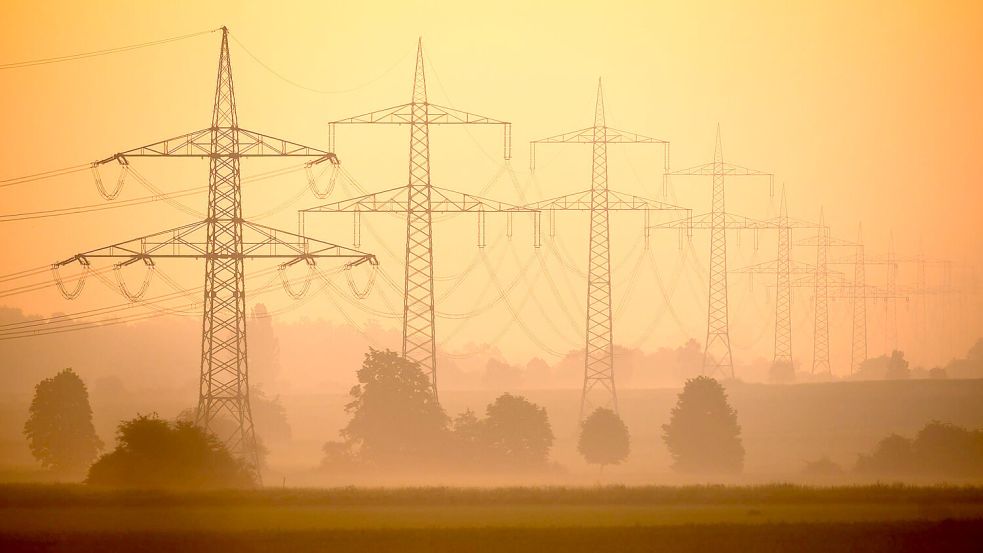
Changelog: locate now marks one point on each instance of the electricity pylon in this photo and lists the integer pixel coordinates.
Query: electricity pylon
(717, 358)
(224, 240)
(782, 266)
(419, 200)
(859, 340)
(820, 328)
(599, 201)
(856, 290)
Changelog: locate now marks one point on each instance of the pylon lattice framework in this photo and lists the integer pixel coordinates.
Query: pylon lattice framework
(224, 240)
(599, 372)
(419, 200)
(717, 357)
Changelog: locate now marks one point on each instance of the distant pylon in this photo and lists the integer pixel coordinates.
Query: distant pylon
(599, 371)
(417, 201)
(783, 305)
(717, 357)
(820, 337)
(859, 354)
(599, 368)
(419, 343)
(891, 305)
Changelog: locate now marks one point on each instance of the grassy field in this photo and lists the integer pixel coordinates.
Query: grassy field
(766, 518)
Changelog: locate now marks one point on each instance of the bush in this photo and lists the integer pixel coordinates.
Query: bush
(703, 435)
(153, 453)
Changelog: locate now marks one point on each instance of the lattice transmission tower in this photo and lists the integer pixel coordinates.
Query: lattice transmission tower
(599, 375)
(717, 358)
(419, 199)
(224, 240)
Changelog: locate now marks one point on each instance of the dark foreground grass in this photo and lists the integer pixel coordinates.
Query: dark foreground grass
(623, 519)
(945, 536)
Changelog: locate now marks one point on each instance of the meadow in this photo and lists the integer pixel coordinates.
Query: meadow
(663, 518)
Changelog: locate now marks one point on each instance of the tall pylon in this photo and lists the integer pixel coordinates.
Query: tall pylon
(225, 240)
(419, 334)
(717, 358)
(599, 340)
(599, 389)
(859, 342)
(891, 305)
(783, 284)
(820, 330)
(419, 343)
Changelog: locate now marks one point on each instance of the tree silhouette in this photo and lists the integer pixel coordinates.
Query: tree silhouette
(897, 367)
(153, 453)
(604, 438)
(517, 432)
(395, 416)
(703, 435)
(59, 427)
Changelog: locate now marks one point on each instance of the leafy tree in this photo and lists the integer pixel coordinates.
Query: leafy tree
(892, 456)
(154, 453)
(703, 434)
(468, 439)
(948, 450)
(517, 431)
(897, 367)
(395, 416)
(781, 372)
(604, 438)
(59, 427)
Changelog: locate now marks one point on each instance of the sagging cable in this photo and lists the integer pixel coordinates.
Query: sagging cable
(312, 178)
(74, 293)
(287, 287)
(363, 293)
(120, 180)
(147, 278)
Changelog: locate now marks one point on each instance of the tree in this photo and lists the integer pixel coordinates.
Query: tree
(467, 436)
(604, 438)
(703, 434)
(892, 456)
(153, 453)
(781, 372)
(395, 417)
(897, 367)
(517, 431)
(59, 427)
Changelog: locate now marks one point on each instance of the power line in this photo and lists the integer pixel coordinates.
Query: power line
(94, 53)
(294, 83)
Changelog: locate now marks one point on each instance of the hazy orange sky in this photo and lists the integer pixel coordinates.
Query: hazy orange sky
(873, 110)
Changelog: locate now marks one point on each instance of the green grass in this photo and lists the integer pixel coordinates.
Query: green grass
(693, 518)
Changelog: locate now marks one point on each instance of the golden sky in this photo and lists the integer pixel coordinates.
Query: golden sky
(873, 110)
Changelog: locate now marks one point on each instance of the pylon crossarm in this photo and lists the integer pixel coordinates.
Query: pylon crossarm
(728, 169)
(199, 144)
(191, 242)
(254, 144)
(394, 200)
(443, 200)
(617, 201)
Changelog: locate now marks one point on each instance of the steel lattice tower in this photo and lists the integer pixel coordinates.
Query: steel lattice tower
(224, 240)
(859, 341)
(783, 305)
(224, 384)
(418, 202)
(599, 388)
(820, 336)
(599, 341)
(717, 357)
(419, 343)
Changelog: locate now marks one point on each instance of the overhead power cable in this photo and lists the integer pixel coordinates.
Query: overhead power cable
(94, 53)
(294, 83)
